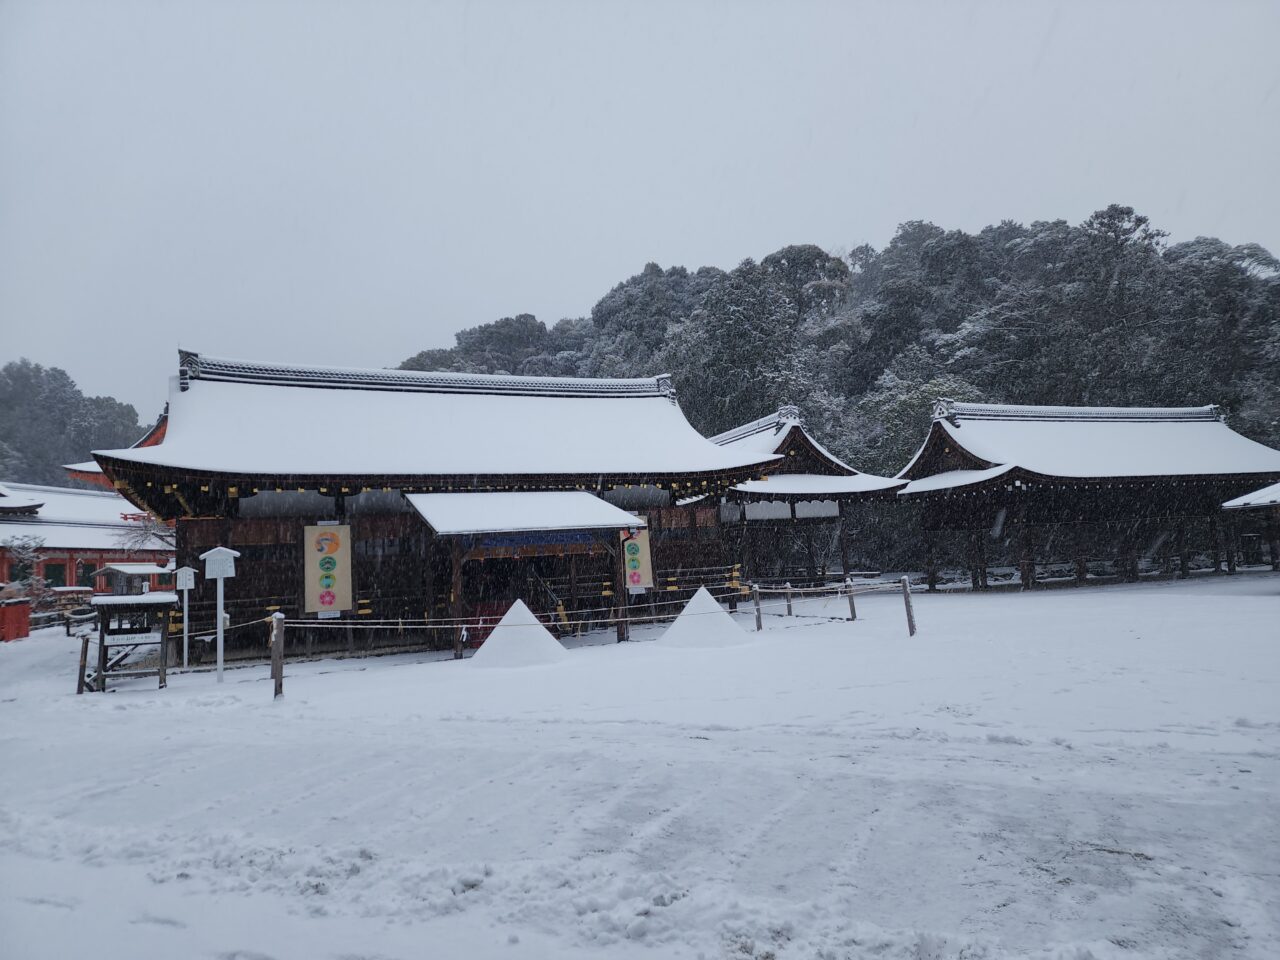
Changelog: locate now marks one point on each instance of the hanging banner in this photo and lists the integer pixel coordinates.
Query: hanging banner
(326, 564)
(637, 567)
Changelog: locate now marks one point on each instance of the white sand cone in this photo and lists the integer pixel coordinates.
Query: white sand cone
(703, 623)
(519, 640)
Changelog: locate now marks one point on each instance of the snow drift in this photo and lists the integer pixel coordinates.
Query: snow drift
(519, 640)
(703, 623)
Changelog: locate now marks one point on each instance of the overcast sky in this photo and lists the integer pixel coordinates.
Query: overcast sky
(349, 183)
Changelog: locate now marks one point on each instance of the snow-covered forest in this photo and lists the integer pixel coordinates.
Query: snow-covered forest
(1106, 312)
(45, 421)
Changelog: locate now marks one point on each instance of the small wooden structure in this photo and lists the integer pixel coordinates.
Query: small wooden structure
(127, 624)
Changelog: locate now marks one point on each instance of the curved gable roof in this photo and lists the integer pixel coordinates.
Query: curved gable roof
(1089, 442)
(782, 433)
(249, 419)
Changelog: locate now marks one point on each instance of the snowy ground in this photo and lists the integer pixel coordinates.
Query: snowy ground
(1067, 774)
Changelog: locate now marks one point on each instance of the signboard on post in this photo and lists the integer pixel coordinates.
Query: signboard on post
(219, 564)
(326, 569)
(637, 566)
(184, 579)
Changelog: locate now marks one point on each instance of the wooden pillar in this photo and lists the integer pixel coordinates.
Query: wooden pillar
(1215, 542)
(844, 540)
(1233, 542)
(1026, 558)
(1079, 554)
(975, 580)
(1126, 561)
(983, 584)
(428, 577)
(620, 593)
(1184, 558)
(455, 594)
(931, 559)
(1272, 533)
(164, 653)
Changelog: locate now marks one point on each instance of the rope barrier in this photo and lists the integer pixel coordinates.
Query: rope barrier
(454, 624)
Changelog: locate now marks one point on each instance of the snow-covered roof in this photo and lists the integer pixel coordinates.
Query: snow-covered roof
(1266, 497)
(1095, 442)
(136, 569)
(462, 513)
(16, 501)
(154, 599)
(250, 419)
(952, 479)
(772, 435)
(88, 466)
(816, 485)
(67, 519)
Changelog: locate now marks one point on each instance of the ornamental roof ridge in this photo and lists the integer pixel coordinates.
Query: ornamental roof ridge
(784, 416)
(195, 366)
(945, 409)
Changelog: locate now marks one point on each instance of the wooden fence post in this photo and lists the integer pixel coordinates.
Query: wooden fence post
(84, 661)
(906, 600)
(102, 658)
(277, 653)
(164, 654)
(789, 599)
(848, 589)
(755, 597)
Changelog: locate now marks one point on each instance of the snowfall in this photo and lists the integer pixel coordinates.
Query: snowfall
(1072, 774)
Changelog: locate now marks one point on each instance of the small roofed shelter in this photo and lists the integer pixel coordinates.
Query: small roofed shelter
(808, 493)
(69, 534)
(128, 628)
(1061, 482)
(1263, 504)
(438, 485)
(134, 578)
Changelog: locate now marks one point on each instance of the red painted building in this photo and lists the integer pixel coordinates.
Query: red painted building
(80, 531)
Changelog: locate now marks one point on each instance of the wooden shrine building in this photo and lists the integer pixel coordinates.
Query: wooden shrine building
(788, 523)
(1089, 487)
(424, 495)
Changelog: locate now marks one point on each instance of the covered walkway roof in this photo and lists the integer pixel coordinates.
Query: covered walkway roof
(455, 514)
(1266, 497)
